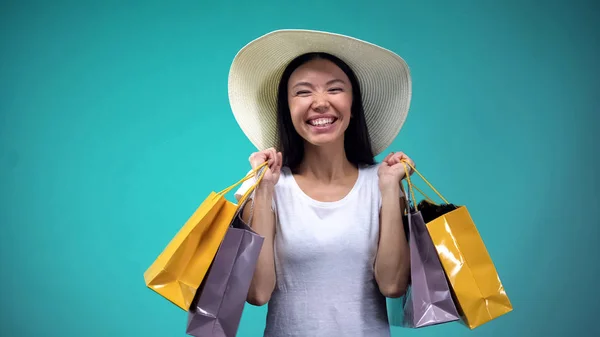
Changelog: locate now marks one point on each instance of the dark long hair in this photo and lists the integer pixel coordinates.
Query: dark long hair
(357, 142)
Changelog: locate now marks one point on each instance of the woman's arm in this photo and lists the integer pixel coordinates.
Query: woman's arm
(392, 263)
(263, 223)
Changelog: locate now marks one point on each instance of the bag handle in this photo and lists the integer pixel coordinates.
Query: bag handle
(263, 169)
(261, 175)
(252, 174)
(411, 194)
(244, 199)
(425, 195)
(411, 186)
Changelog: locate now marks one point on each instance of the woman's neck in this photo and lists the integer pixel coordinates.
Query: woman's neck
(325, 163)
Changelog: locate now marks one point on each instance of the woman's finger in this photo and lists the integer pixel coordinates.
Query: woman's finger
(388, 157)
(256, 159)
(404, 157)
(272, 158)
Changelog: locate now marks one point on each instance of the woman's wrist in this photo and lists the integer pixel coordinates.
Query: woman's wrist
(264, 190)
(392, 191)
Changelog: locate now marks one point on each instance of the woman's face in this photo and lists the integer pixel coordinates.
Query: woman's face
(320, 101)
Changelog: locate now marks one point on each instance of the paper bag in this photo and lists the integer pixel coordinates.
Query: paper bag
(218, 308)
(428, 300)
(179, 270)
(473, 278)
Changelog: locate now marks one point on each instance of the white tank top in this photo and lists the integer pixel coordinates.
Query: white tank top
(324, 261)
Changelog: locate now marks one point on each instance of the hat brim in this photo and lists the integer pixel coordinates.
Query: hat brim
(383, 76)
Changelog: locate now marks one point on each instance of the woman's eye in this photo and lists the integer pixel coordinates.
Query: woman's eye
(303, 92)
(335, 89)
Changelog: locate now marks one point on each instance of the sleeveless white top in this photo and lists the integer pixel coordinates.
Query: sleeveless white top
(324, 261)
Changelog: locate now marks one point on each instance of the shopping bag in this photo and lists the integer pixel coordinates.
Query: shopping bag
(221, 300)
(428, 300)
(219, 303)
(180, 268)
(478, 292)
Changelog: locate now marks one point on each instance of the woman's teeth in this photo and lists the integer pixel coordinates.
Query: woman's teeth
(321, 121)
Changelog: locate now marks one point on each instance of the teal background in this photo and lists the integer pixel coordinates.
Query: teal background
(115, 125)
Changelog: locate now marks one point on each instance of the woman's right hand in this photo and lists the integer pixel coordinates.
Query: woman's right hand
(274, 160)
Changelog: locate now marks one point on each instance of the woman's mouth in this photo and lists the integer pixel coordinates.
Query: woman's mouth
(322, 122)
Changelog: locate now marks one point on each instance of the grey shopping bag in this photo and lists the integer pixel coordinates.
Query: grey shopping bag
(428, 300)
(219, 303)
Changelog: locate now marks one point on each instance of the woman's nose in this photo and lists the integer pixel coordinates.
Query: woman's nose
(320, 103)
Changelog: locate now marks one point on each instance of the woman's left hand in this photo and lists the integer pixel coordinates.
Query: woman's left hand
(391, 171)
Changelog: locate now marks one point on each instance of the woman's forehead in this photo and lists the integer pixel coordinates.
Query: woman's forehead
(319, 69)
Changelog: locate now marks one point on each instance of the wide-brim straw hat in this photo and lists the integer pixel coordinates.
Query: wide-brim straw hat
(254, 76)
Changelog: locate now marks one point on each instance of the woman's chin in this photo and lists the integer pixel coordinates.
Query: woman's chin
(324, 139)
(323, 136)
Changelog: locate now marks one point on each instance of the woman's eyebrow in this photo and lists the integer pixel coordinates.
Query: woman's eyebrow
(335, 80)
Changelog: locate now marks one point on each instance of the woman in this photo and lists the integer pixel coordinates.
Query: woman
(335, 244)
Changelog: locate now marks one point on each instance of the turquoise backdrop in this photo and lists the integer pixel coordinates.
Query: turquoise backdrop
(115, 125)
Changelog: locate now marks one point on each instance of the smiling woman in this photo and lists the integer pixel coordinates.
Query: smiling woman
(335, 245)
(319, 102)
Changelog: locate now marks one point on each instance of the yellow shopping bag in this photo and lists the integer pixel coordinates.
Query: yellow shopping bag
(477, 288)
(179, 270)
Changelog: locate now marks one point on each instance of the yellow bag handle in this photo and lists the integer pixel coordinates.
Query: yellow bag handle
(248, 176)
(242, 200)
(411, 186)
